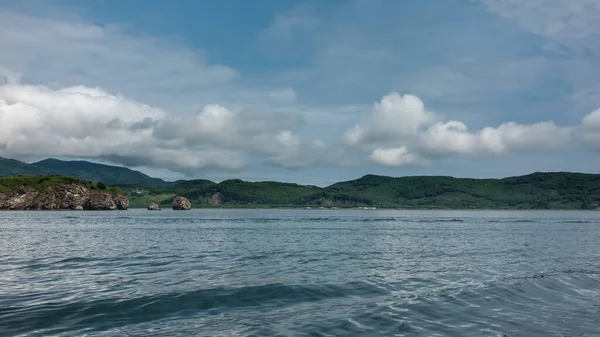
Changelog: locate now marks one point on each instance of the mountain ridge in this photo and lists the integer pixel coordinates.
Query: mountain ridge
(85, 170)
(538, 190)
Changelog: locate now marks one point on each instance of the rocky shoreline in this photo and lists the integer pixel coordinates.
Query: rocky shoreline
(62, 196)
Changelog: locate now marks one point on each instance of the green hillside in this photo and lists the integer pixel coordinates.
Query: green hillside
(41, 183)
(111, 175)
(229, 193)
(535, 191)
(557, 190)
(11, 167)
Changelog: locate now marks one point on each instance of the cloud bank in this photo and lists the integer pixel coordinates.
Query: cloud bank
(401, 131)
(82, 122)
(99, 91)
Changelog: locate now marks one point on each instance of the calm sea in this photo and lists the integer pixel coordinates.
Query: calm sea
(299, 273)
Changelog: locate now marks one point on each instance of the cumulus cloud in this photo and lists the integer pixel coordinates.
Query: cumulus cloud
(394, 117)
(395, 157)
(454, 137)
(84, 122)
(400, 131)
(590, 130)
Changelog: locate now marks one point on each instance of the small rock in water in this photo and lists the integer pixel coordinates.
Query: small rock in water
(181, 203)
(121, 202)
(153, 207)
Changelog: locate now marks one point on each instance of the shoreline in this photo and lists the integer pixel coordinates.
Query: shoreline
(373, 210)
(303, 209)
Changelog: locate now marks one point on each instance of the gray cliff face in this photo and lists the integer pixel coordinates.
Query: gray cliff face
(62, 196)
(181, 204)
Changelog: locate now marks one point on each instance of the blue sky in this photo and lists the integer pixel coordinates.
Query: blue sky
(305, 91)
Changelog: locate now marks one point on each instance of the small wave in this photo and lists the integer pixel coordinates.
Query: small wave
(342, 219)
(380, 220)
(434, 220)
(550, 274)
(578, 221)
(545, 304)
(77, 260)
(253, 257)
(243, 220)
(514, 221)
(319, 219)
(43, 264)
(120, 312)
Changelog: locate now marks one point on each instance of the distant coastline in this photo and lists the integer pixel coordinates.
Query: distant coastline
(536, 191)
(378, 209)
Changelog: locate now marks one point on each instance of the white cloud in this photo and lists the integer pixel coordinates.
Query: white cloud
(163, 71)
(201, 114)
(354, 136)
(395, 116)
(400, 131)
(454, 137)
(395, 157)
(87, 122)
(84, 122)
(538, 136)
(451, 137)
(590, 130)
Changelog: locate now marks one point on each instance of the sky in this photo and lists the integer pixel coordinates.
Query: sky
(311, 92)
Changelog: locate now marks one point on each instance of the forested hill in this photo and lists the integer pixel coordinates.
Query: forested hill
(107, 174)
(559, 190)
(556, 190)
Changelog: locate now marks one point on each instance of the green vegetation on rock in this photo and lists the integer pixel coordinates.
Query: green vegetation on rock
(41, 183)
(54, 192)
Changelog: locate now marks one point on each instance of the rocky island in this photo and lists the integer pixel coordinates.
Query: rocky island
(153, 207)
(181, 204)
(58, 193)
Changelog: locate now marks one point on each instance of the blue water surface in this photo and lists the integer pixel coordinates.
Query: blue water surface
(299, 273)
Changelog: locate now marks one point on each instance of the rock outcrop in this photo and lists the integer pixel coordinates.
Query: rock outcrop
(153, 207)
(74, 196)
(181, 204)
(216, 199)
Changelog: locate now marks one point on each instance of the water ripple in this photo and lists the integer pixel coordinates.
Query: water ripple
(299, 273)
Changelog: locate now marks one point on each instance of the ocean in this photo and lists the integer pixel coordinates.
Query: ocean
(300, 273)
